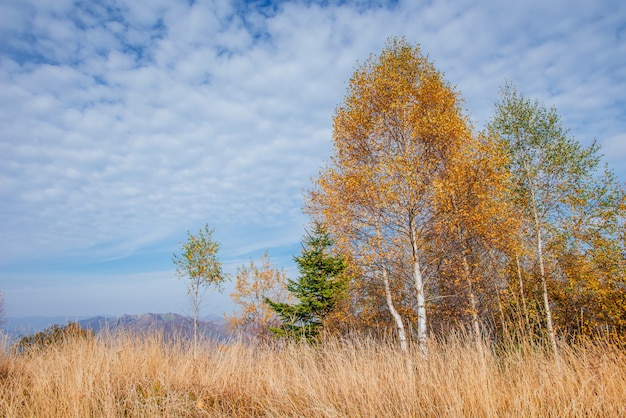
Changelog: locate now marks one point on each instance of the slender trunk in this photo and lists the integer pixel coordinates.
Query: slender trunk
(505, 328)
(470, 287)
(542, 271)
(472, 300)
(474, 311)
(544, 286)
(196, 303)
(418, 279)
(388, 297)
(394, 313)
(521, 292)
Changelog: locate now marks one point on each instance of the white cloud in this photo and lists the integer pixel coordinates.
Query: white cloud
(124, 124)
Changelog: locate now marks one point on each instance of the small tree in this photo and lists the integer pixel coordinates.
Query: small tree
(199, 264)
(255, 283)
(321, 285)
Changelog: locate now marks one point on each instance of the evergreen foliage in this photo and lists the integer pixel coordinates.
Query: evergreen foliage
(322, 283)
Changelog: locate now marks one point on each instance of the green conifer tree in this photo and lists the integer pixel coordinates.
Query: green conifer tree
(322, 283)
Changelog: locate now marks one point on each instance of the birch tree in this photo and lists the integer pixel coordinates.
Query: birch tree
(559, 192)
(394, 136)
(199, 265)
(589, 251)
(474, 227)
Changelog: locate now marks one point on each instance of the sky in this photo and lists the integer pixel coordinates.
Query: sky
(125, 124)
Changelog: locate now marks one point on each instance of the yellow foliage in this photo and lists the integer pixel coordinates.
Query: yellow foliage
(398, 138)
(254, 284)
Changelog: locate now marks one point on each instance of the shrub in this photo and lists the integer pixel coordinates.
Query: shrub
(53, 336)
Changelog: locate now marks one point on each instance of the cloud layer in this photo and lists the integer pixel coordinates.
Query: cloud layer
(123, 124)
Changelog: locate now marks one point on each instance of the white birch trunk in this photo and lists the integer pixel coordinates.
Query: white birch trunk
(422, 336)
(388, 297)
(474, 311)
(542, 271)
(521, 291)
(394, 313)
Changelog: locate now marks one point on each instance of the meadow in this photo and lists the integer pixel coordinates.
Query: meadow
(145, 376)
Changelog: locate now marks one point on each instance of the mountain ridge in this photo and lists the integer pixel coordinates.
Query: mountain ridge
(169, 324)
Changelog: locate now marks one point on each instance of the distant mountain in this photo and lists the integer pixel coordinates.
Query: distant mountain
(170, 324)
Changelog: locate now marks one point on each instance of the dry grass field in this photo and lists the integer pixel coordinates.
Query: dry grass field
(131, 376)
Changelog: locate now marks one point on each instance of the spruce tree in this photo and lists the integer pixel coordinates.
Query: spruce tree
(322, 283)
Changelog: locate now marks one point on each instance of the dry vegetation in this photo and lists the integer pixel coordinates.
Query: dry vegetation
(145, 376)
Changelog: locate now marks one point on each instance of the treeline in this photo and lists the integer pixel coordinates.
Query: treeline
(514, 230)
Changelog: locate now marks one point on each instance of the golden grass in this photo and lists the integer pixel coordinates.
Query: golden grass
(146, 377)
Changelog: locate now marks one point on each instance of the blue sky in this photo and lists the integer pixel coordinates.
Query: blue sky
(123, 124)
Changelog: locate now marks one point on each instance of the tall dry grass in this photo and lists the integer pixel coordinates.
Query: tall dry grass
(147, 377)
